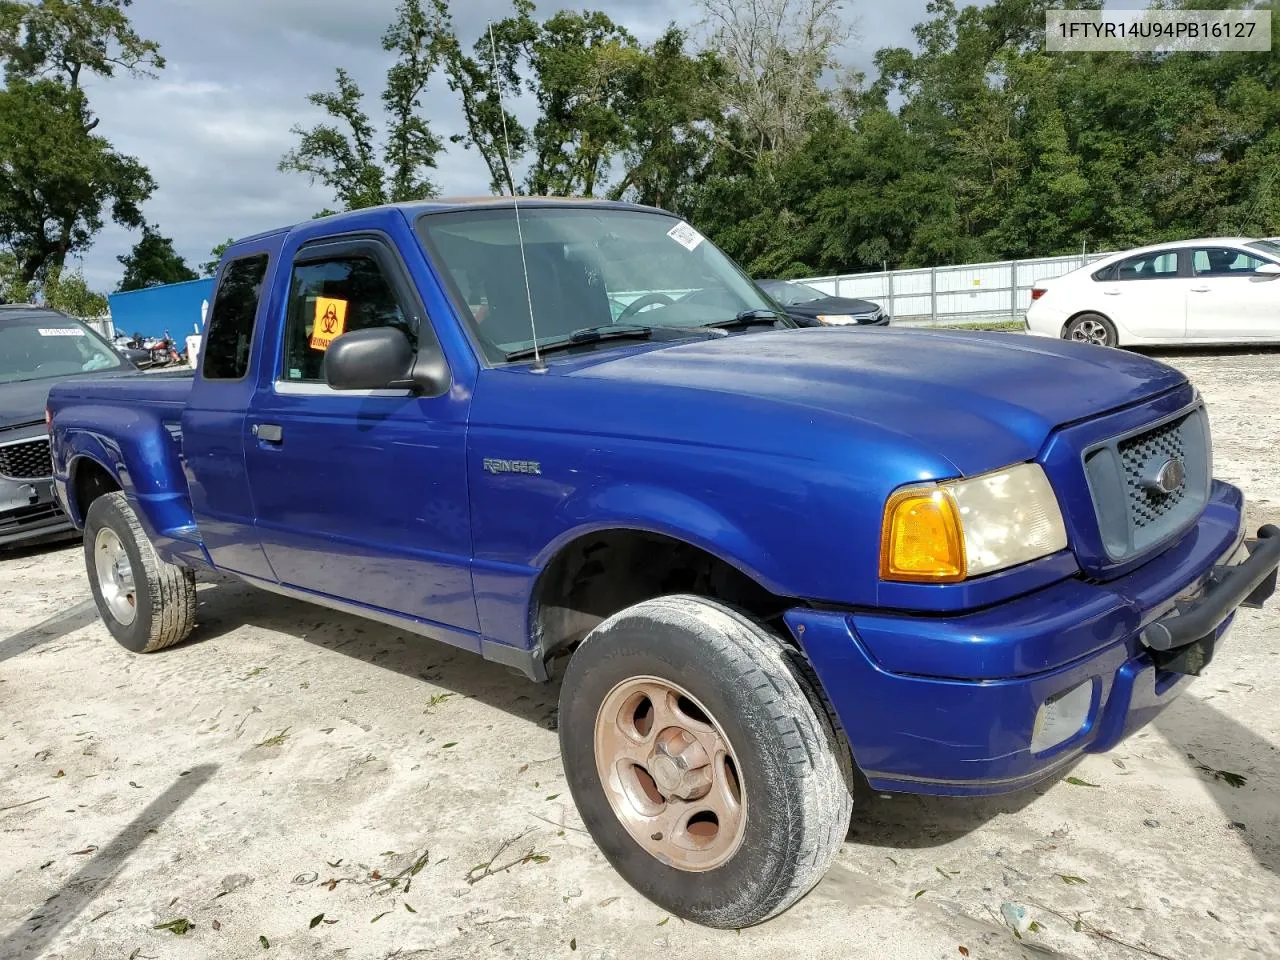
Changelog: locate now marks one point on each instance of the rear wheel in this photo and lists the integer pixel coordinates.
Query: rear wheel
(1092, 328)
(702, 761)
(146, 604)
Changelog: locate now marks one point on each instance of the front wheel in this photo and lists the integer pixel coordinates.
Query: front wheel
(146, 604)
(703, 761)
(1092, 328)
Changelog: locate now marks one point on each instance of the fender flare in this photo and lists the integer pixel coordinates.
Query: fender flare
(644, 508)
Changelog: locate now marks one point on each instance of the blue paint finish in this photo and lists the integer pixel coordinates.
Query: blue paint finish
(365, 500)
(948, 705)
(127, 426)
(213, 428)
(772, 450)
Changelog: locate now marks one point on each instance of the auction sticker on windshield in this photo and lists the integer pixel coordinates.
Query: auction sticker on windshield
(685, 235)
(61, 332)
(330, 322)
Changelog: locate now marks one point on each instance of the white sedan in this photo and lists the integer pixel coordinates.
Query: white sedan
(1193, 291)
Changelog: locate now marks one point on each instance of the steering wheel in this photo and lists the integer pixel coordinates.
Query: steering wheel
(648, 300)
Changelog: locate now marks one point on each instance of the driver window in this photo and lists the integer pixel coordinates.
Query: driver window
(1223, 262)
(329, 298)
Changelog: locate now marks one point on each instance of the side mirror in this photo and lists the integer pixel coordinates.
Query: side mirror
(375, 359)
(1268, 271)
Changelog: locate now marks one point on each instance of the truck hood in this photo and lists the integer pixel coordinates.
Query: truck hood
(980, 400)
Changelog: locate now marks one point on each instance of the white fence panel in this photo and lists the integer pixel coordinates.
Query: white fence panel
(950, 294)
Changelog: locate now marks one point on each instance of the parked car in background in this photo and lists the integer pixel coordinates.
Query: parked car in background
(809, 306)
(38, 347)
(1193, 291)
(131, 348)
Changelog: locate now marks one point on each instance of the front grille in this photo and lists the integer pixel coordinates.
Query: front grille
(1141, 455)
(26, 460)
(1132, 516)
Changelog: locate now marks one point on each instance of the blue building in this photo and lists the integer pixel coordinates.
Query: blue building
(179, 308)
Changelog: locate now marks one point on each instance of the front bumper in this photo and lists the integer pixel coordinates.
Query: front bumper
(949, 705)
(29, 511)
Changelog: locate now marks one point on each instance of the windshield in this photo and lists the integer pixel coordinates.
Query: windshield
(587, 268)
(789, 294)
(38, 346)
(1271, 247)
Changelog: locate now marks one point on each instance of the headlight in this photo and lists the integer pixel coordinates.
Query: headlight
(837, 319)
(947, 532)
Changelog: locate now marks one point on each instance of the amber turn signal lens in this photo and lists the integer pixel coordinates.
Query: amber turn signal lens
(922, 538)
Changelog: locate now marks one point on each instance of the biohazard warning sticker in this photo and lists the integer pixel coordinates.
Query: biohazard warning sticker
(685, 235)
(331, 321)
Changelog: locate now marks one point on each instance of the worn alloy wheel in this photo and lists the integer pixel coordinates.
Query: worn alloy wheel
(115, 576)
(1091, 328)
(670, 774)
(703, 760)
(145, 603)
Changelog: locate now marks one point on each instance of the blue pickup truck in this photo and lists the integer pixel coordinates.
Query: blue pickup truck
(773, 566)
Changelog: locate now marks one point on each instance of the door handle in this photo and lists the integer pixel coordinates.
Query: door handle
(1111, 293)
(269, 432)
(1199, 289)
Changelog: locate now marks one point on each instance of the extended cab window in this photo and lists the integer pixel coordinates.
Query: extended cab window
(329, 298)
(235, 308)
(1224, 262)
(1161, 265)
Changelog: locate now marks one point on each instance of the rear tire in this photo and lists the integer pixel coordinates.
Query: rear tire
(146, 604)
(726, 842)
(1092, 328)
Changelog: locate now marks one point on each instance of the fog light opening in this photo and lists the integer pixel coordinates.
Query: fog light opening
(1061, 717)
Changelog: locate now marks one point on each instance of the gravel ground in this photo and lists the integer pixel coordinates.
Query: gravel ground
(303, 784)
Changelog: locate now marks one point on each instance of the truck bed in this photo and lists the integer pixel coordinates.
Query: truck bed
(169, 388)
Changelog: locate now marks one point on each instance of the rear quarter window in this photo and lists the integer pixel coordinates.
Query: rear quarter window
(235, 311)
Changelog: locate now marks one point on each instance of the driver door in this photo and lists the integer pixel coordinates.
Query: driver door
(360, 495)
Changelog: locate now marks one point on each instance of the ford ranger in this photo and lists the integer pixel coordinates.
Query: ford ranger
(773, 566)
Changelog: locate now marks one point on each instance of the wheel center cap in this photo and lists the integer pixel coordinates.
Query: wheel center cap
(666, 773)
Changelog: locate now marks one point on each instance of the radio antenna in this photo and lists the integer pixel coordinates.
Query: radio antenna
(538, 365)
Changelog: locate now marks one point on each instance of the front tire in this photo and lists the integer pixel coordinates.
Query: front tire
(703, 763)
(1092, 328)
(146, 604)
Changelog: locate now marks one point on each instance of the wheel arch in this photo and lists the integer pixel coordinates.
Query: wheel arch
(593, 573)
(88, 478)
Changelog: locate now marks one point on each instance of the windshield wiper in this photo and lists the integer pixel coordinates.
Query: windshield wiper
(750, 318)
(585, 335)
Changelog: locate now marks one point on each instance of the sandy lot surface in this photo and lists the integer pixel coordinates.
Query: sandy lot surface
(298, 783)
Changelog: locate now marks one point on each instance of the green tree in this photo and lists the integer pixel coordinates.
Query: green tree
(152, 263)
(59, 178)
(13, 289)
(67, 290)
(65, 38)
(210, 267)
(343, 153)
(613, 117)
(670, 108)
(58, 181)
(483, 83)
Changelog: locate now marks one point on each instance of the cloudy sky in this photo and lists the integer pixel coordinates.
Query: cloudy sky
(214, 124)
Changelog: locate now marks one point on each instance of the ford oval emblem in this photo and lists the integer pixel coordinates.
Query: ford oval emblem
(1168, 478)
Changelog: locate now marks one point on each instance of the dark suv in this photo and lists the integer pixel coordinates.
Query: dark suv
(38, 347)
